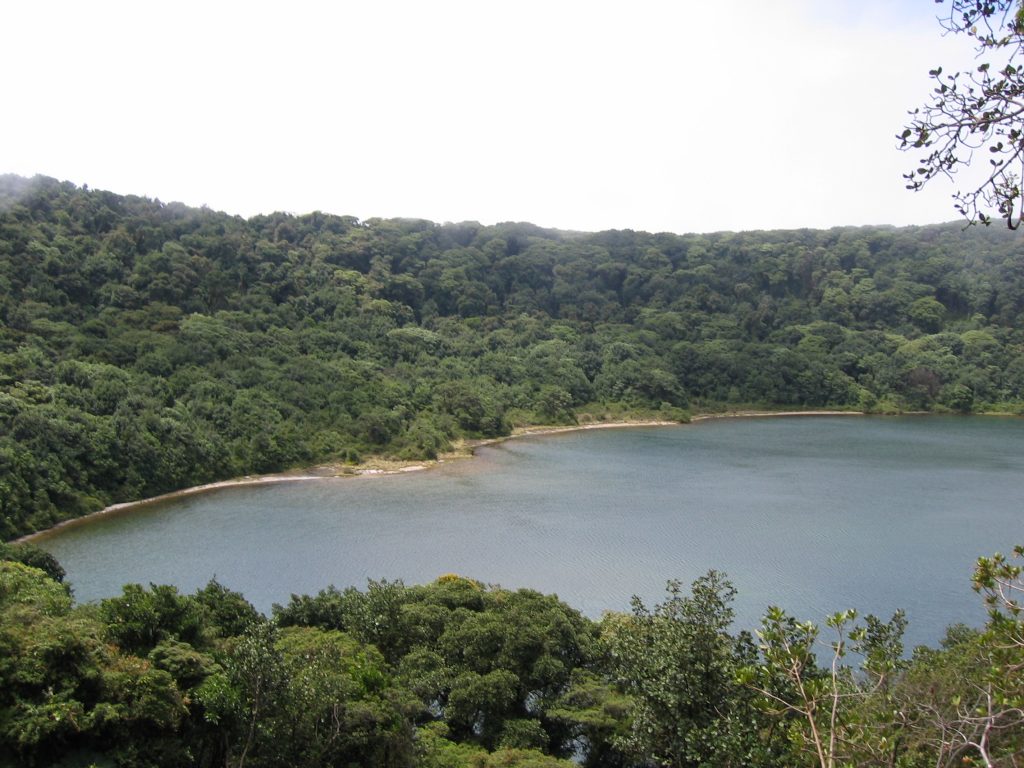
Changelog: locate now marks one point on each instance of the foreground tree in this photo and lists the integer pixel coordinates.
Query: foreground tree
(838, 715)
(960, 704)
(483, 677)
(985, 720)
(979, 111)
(680, 665)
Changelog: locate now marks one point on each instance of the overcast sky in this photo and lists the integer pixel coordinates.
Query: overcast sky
(662, 116)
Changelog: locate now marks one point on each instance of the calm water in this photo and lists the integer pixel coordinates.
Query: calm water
(814, 514)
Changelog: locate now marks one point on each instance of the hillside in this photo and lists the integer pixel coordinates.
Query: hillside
(146, 347)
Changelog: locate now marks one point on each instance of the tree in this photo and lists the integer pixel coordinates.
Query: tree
(680, 666)
(140, 618)
(1001, 581)
(31, 555)
(838, 716)
(340, 707)
(241, 702)
(977, 111)
(65, 690)
(965, 702)
(961, 702)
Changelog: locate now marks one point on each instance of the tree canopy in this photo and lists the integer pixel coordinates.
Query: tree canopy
(146, 347)
(458, 674)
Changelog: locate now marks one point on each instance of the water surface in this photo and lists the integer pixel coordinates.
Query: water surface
(814, 514)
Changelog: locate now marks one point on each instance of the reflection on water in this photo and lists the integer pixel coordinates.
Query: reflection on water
(814, 514)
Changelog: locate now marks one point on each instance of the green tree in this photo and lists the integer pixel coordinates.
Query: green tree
(340, 707)
(244, 702)
(146, 347)
(927, 314)
(140, 618)
(31, 555)
(959, 705)
(223, 611)
(66, 691)
(597, 715)
(679, 664)
(838, 715)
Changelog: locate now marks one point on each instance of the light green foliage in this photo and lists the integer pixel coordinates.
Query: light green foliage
(999, 579)
(678, 663)
(957, 706)
(837, 715)
(25, 588)
(927, 314)
(436, 751)
(983, 709)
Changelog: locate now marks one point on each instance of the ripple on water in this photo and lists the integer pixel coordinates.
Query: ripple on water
(814, 514)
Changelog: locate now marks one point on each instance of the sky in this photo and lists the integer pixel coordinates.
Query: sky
(673, 116)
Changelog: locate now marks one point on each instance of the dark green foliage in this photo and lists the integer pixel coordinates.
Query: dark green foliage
(31, 555)
(596, 712)
(141, 618)
(225, 612)
(488, 661)
(468, 676)
(156, 678)
(64, 689)
(146, 347)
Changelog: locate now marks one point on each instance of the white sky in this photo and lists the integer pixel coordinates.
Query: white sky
(681, 116)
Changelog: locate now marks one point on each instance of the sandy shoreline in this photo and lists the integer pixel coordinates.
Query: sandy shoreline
(385, 467)
(762, 414)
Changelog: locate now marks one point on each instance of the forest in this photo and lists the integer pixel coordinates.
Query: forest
(147, 347)
(459, 674)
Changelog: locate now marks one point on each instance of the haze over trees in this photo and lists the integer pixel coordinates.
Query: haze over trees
(145, 347)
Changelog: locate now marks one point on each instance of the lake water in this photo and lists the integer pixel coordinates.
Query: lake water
(815, 514)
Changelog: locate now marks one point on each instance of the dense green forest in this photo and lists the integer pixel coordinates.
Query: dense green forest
(456, 674)
(145, 347)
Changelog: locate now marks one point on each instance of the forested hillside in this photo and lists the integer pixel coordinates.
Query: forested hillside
(146, 347)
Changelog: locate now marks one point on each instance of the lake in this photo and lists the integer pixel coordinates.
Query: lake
(815, 514)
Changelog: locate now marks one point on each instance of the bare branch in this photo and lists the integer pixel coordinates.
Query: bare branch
(978, 111)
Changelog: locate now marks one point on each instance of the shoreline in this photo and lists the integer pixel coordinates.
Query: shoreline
(385, 467)
(763, 414)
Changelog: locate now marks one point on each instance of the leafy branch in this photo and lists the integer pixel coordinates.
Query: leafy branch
(976, 111)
